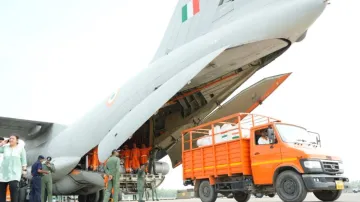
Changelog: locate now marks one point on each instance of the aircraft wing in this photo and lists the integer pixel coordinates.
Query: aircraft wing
(139, 114)
(245, 101)
(26, 129)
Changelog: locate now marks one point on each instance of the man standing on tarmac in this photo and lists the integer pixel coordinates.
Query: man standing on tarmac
(36, 172)
(141, 182)
(112, 169)
(46, 180)
(151, 167)
(153, 191)
(1, 160)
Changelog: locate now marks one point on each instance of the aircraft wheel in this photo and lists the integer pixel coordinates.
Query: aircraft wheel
(242, 196)
(290, 187)
(93, 197)
(230, 195)
(101, 195)
(271, 195)
(82, 198)
(207, 192)
(328, 195)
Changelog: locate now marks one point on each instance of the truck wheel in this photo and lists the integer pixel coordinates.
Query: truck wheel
(290, 187)
(328, 195)
(207, 192)
(242, 197)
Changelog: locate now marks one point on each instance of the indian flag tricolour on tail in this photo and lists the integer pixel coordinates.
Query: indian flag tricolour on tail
(190, 9)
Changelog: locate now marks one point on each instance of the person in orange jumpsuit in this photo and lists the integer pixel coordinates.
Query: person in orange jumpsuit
(122, 157)
(126, 156)
(135, 157)
(144, 154)
(122, 154)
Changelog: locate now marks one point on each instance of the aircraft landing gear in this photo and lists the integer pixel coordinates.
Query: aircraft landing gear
(95, 197)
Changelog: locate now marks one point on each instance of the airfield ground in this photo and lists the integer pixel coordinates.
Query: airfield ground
(346, 197)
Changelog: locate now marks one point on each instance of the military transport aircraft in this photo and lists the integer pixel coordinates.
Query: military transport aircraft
(210, 48)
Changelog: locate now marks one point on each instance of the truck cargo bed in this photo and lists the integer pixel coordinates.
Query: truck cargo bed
(220, 148)
(230, 158)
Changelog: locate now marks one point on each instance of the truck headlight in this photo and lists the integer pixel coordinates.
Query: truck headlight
(312, 164)
(341, 167)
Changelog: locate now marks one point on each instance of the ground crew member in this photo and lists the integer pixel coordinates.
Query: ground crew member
(151, 167)
(112, 169)
(36, 172)
(135, 158)
(46, 180)
(153, 191)
(127, 154)
(1, 160)
(144, 154)
(141, 182)
(122, 154)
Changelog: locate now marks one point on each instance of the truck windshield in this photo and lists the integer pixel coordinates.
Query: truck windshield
(292, 134)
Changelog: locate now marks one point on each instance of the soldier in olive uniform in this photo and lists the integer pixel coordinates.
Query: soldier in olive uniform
(141, 182)
(112, 169)
(153, 191)
(151, 167)
(46, 180)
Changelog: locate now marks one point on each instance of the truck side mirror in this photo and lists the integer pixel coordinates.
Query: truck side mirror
(271, 135)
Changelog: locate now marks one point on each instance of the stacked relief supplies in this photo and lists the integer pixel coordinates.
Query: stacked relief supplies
(224, 133)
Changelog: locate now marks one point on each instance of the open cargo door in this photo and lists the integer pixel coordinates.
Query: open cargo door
(245, 101)
(248, 99)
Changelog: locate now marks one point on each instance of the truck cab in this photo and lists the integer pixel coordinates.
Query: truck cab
(244, 154)
(298, 151)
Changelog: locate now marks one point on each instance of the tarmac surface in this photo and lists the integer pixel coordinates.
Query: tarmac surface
(345, 197)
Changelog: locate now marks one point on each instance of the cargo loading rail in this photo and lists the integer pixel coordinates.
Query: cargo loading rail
(128, 182)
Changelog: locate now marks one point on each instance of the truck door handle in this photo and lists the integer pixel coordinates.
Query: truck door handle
(256, 153)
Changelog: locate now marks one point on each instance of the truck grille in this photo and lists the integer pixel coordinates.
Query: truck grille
(331, 166)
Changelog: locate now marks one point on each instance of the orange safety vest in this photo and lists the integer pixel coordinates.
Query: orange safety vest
(127, 154)
(135, 157)
(122, 154)
(144, 153)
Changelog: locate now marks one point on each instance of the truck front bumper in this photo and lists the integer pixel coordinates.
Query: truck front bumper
(317, 182)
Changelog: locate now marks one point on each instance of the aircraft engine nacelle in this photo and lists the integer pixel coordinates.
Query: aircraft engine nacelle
(162, 167)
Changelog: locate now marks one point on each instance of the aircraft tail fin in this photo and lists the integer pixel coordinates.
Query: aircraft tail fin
(191, 19)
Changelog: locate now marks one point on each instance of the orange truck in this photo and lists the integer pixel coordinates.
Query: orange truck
(244, 154)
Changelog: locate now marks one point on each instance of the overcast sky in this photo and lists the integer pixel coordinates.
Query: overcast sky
(58, 59)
